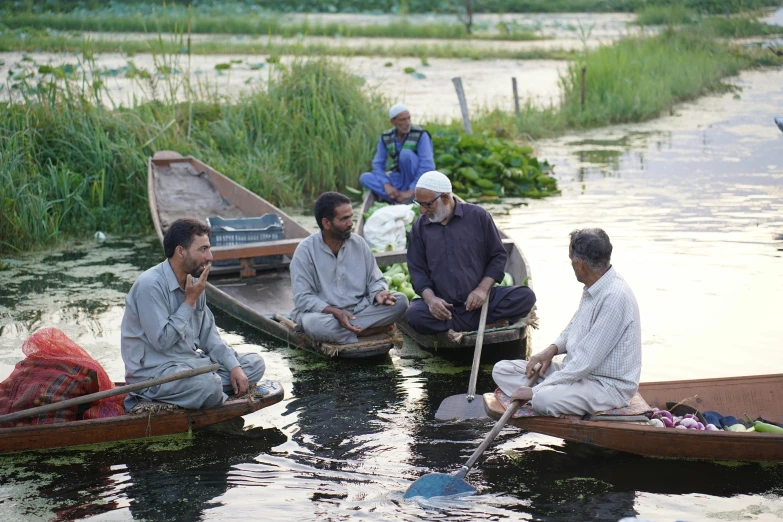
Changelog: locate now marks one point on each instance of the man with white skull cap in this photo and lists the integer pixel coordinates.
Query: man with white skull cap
(410, 149)
(455, 258)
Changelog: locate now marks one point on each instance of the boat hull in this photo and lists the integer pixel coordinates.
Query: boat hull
(755, 395)
(127, 427)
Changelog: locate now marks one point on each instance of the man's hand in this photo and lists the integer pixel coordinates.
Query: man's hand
(344, 317)
(384, 297)
(238, 381)
(392, 192)
(439, 308)
(476, 299)
(544, 358)
(523, 393)
(194, 287)
(404, 195)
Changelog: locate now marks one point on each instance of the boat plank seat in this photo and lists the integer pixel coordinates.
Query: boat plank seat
(258, 249)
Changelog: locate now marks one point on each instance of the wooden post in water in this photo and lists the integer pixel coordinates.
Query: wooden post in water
(516, 95)
(463, 104)
(584, 74)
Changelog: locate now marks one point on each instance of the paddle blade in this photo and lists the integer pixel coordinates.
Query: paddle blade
(458, 407)
(438, 485)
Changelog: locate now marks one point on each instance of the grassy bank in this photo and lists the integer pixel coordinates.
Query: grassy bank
(400, 6)
(43, 41)
(175, 20)
(69, 165)
(635, 80)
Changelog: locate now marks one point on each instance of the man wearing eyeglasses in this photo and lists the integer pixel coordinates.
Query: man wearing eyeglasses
(455, 258)
(410, 149)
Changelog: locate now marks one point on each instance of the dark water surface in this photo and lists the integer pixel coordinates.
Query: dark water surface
(693, 203)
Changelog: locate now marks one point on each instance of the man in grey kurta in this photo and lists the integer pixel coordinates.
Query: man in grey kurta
(168, 329)
(603, 342)
(338, 290)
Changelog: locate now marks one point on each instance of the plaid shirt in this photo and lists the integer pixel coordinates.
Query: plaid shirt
(603, 340)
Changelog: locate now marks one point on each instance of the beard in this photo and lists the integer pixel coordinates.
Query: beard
(193, 268)
(345, 234)
(441, 213)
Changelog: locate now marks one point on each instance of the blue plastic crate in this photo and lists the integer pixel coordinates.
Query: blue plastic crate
(238, 231)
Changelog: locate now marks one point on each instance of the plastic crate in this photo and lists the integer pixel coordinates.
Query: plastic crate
(238, 231)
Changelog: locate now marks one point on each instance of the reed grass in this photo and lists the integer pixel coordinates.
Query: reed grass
(634, 80)
(258, 25)
(676, 14)
(34, 41)
(70, 164)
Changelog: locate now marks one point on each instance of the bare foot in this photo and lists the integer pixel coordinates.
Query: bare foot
(377, 330)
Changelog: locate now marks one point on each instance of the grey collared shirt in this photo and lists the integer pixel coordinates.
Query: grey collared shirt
(603, 340)
(159, 328)
(348, 281)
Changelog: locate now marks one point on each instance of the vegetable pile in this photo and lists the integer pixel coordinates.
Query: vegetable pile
(664, 419)
(690, 421)
(485, 168)
(399, 280)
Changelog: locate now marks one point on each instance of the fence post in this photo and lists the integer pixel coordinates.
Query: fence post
(463, 104)
(516, 95)
(584, 74)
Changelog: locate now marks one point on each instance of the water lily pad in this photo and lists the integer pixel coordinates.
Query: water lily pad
(409, 70)
(236, 61)
(256, 66)
(222, 66)
(418, 76)
(388, 64)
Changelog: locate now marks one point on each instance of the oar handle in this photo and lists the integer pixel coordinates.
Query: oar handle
(511, 410)
(477, 351)
(85, 399)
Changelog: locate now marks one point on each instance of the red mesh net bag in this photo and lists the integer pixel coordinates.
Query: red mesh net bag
(56, 369)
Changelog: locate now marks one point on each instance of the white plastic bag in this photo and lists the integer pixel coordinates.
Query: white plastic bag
(387, 227)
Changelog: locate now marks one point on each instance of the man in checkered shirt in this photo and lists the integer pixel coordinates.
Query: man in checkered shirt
(602, 342)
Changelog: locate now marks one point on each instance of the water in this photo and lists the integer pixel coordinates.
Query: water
(693, 204)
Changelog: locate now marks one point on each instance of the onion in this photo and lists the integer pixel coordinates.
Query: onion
(657, 423)
(712, 427)
(689, 423)
(699, 425)
(667, 422)
(680, 427)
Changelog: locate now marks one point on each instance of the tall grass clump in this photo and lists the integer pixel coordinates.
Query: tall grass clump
(71, 163)
(676, 14)
(639, 78)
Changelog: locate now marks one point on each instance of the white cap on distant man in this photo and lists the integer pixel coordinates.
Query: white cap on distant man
(396, 110)
(434, 181)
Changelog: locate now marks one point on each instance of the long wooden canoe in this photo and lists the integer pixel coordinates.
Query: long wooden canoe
(758, 396)
(513, 339)
(126, 427)
(256, 300)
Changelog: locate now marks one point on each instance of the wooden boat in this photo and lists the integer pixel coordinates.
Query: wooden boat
(758, 396)
(263, 296)
(513, 339)
(126, 427)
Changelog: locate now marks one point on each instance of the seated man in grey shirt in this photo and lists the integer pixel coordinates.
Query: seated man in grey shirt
(603, 342)
(338, 290)
(168, 328)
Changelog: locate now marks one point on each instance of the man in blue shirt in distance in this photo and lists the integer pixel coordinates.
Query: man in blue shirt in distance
(410, 149)
(455, 258)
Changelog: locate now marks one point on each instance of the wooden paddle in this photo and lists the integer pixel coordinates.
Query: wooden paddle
(442, 484)
(85, 399)
(464, 406)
